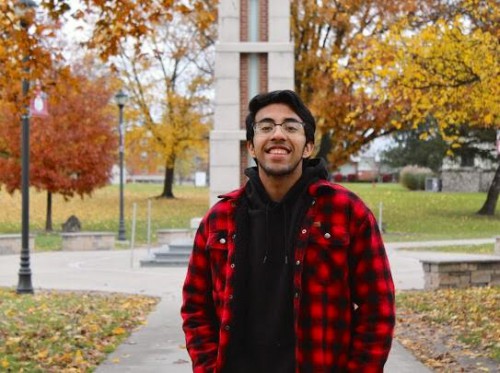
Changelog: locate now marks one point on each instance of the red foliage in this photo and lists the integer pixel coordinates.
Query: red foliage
(71, 151)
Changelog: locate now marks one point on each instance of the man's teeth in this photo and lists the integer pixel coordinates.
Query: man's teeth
(278, 151)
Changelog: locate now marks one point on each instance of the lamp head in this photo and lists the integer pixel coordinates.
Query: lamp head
(121, 98)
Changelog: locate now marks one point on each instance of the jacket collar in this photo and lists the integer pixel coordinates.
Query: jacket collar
(235, 194)
(317, 188)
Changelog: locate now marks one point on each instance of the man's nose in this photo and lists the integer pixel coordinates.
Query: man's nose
(278, 132)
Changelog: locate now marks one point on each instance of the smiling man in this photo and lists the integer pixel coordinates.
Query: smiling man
(288, 273)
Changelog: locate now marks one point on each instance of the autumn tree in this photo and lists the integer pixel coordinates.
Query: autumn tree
(447, 69)
(131, 28)
(330, 38)
(169, 76)
(73, 149)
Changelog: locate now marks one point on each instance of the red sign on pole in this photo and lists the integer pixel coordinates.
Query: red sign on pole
(38, 105)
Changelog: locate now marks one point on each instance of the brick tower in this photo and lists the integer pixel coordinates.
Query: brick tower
(254, 54)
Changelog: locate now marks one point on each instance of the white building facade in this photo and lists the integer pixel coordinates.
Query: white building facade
(254, 54)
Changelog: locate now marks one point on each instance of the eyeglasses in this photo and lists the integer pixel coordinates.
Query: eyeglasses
(268, 126)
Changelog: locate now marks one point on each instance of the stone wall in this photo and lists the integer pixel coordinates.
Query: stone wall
(80, 241)
(11, 243)
(464, 180)
(461, 273)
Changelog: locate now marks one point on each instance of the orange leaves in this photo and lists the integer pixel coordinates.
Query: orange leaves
(376, 67)
(331, 40)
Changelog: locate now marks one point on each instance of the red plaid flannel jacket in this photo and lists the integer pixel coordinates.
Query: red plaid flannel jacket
(344, 294)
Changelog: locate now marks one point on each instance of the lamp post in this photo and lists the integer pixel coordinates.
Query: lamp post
(120, 99)
(25, 11)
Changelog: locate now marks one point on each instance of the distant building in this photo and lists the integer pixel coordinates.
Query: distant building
(115, 175)
(364, 167)
(468, 173)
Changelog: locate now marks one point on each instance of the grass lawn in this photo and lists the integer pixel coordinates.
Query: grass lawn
(65, 331)
(406, 215)
(465, 249)
(419, 216)
(100, 212)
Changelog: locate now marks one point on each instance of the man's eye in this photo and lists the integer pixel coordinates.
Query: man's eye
(290, 127)
(266, 127)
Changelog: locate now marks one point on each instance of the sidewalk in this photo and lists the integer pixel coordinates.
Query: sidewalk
(159, 346)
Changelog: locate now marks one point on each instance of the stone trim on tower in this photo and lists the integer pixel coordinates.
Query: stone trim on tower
(247, 61)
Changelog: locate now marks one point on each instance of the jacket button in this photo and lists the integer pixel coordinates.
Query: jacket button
(227, 328)
(222, 240)
(304, 231)
(234, 236)
(313, 202)
(232, 265)
(297, 262)
(327, 235)
(231, 296)
(296, 295)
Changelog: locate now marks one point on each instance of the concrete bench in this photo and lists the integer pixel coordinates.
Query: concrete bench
(461, 272)
(11, 243)
(78, 241)
(167, 236)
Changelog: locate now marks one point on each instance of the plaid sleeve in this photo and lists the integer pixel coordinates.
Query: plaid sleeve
(373, 295)
(198, 312)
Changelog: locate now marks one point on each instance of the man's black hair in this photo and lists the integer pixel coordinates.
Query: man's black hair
(287, 97)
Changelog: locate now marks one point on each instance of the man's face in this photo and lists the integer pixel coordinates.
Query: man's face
(279, 153)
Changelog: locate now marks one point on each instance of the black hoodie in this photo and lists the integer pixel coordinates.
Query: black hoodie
(267, 339)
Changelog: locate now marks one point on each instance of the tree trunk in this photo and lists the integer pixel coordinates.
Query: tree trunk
(48, 218)
(491, 200)
(325, 146)
(168, 183)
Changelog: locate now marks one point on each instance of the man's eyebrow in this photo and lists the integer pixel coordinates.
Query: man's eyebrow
(285, 119)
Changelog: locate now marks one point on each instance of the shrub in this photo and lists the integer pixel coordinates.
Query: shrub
(387, 178)
(413, 177)
(338, 178)
(352, 177)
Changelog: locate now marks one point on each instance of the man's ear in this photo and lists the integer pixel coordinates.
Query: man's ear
(251, 149)
(308, 149)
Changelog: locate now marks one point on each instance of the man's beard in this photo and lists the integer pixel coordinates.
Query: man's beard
(270, 171)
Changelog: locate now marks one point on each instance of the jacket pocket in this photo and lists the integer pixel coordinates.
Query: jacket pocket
(218, 251)
(326, 254)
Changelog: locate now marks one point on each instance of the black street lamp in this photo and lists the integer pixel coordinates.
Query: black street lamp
(121, 99)
(25, 11)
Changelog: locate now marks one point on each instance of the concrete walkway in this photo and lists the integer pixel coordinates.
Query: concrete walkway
(159, 346)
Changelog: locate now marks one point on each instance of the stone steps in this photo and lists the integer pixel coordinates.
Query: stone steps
(174, 255)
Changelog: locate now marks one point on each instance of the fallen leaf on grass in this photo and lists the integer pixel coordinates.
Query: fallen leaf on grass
(119, 331)
(5, 364)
